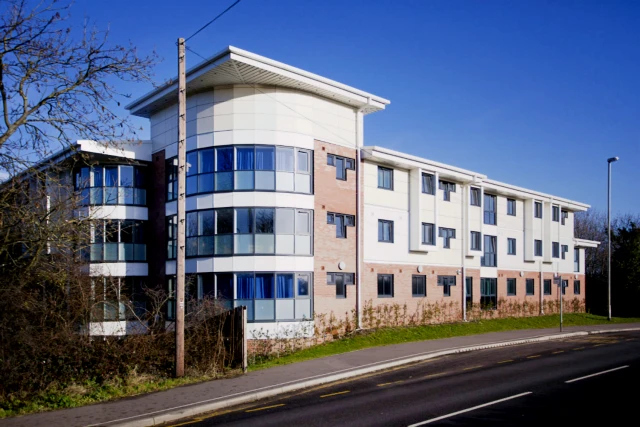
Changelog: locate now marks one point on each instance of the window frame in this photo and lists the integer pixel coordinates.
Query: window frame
(555, 213)
(447, 188)
(484, 261)
(555, 250)
(384, 294)
(530, 287)
(511, 244)
(391, 231)
(432, 236)
(446, 281)
(450, 233)
(415, 286)
(477, 192)
(576, 286)
(431, 178)
(490, 211)
(537, 244)
(547, 286)
(511, 207)
(346, 221)
(476, 241)
(332, 161)
(512, 287)
(383, 170)
(537, 209)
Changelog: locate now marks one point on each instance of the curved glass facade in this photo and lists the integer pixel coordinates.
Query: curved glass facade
(243, 168)
(112, 185)
(117, 241)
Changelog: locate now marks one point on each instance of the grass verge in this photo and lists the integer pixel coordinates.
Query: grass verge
(73, 395)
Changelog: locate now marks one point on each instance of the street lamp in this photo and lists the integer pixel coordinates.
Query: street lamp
(609, 161)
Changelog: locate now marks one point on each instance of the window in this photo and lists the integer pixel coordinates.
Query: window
(447, 188)
(385, 178)
(531, 287)
(547, 286)
(118, 298)
(385, 231)
(476, 241)
(576, 287)
(341, 221)
(447, 234)
(490, 258)
(428, 183)
(419, 286)
(490, 216)
(117, 240)
(511, 207)
(341, 281)
(474, 194)
(469, 292)
(172, 235)
(555, 213)
(385, 285)
(555, 249)
(537, 212)
(563, 216)
(511, 287)
(565, 285)
(200, 230)
(576, 260)
(428, 234)
(342, 164)
(446, 282)
(488, 290)
(564, 250)
(511, 246)
(112, 185)
(537, 247)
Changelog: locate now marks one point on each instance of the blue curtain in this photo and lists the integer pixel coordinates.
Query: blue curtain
(245, 286)
(284, 283)
(244, 161)
(265, 158)
(264, 286)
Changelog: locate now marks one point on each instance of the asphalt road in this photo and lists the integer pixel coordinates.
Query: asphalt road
(521, 385)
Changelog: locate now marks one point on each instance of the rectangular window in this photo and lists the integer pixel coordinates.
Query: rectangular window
(511, 207)
(555, 249)
(576, 260)
(341, 222)
(555, 213)
(576, 287)
(474, 194)
(446, 282)
(385, 285)
(447, 234)
(564, 250)
(342, 164)
(490, 210)
(476, 241)
(385, 231)
(490, 258)
(419, 286)
(488, 291)
(531, 287)
(511, 287)
(428, 234)
(428, 183)
(565, 285)
(563, 216)
(537, 247)
(469, 292)
(537, 212)
(447, 188)
(385, 178)
(511, 246)
(547, 286)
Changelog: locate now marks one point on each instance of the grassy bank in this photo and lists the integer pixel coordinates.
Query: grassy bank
(74, 395)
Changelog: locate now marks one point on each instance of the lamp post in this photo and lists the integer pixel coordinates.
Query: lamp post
(609, 161)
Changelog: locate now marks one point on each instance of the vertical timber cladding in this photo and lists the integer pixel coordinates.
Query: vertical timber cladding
(157, 235)
(335, 196)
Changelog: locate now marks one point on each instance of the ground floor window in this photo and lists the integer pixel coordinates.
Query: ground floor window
(385, 285)
(446, 282)
(488, 297)
(576, 287)
(547, 286)
(419, 286)
(341, 280)
(531, 287)
(118, 298)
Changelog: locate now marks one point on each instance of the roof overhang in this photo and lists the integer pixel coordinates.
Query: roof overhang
(236, 66)
(584, 243)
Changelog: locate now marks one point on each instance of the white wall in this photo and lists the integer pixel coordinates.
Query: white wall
(244, 263)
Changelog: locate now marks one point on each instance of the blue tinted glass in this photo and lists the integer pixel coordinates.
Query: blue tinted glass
(284, 286)
(111, 176)
(244, 220)
(265, 158)
(206, 161)
(245, 286)
(244, 159)
(224, 159)
(264, 286)
(192, 163)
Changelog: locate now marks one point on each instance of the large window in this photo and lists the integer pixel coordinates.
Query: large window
(385, 178)
(531, 287)
(476, 241)
(428, 183)
(537, 210)
(341, 221)
(474, 194)
(418, 286)
(447, 188)
(428, 234)
(547, 286)
(576, 260)
(118, 241)
(385, 285)
(385, 231)
(243, 168)
(342, 164)
(446, 282)
(245, 231)
(118, 298)
(511, 207)
(511, 287)
(489, 259)
(511, 246)
(112, 185)
(490, 211)
(447, 234)
(341, 281)
(537, 247)
(488, 297)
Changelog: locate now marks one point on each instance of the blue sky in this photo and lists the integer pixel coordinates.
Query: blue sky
(534, 93)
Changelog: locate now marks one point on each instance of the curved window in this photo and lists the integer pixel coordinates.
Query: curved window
(244, 231)
(119, 298)
(243, 168)
(112, 185)
(117, 241)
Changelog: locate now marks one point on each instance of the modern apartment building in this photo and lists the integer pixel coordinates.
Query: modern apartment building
(291, 214)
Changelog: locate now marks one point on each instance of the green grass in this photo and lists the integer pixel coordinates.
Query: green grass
(390, 336)
(88, 393)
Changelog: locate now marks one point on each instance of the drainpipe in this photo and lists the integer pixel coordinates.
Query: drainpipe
(465, 231)
(541, 289)
(359, 145)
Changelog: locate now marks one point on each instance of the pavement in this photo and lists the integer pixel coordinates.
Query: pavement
(187, 401)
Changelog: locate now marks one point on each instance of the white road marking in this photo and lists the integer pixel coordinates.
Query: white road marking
(597, 373)
(432, 420)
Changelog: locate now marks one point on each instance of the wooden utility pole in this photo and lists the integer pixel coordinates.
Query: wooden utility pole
(182, 171)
